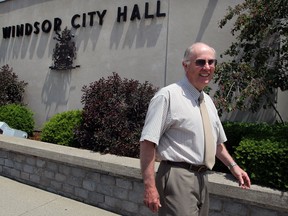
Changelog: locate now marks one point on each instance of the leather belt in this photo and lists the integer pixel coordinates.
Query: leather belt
(195, 168)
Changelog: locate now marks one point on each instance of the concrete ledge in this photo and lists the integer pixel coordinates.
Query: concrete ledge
(125, 166)
(222, 186)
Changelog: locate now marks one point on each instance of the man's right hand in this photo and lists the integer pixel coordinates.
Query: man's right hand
(151, 199)
(147, 160)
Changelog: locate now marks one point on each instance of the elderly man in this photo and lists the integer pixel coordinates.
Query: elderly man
(183, 130)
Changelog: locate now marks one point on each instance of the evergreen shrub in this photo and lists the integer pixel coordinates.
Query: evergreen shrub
(238, 131)
(265, 160)
(11, 89)
(60, 128)
(18, 117)
(113, 115)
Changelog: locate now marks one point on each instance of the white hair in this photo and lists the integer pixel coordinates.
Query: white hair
(189, 52)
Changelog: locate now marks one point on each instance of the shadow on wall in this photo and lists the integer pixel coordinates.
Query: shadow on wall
(20, 47)
(206, 18)
(56, 91)
(144, 33)
(262, 115)
(85, 35)
(140, 33)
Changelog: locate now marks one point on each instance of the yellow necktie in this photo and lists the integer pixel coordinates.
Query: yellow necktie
(209, 156)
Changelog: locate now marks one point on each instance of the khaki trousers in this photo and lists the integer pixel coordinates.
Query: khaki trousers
(182, 192)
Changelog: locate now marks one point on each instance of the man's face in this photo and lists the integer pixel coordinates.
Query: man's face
(200, 69)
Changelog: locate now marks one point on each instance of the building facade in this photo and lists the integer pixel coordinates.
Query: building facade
(143, 40)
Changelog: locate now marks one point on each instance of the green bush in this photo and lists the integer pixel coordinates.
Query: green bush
(266, 161)
(11, 89)
(60, 128)
(113, 115)
(18, 117)
(238, 131)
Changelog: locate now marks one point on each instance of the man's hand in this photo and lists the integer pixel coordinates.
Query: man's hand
(147, 160)
(242, 176)
(151, 199)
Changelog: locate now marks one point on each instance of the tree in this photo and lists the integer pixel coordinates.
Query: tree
(259, 64)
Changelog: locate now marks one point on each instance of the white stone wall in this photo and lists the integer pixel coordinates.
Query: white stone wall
(115, 183)
(144, 49)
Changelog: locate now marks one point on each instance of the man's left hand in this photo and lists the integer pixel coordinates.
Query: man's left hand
(242, 176)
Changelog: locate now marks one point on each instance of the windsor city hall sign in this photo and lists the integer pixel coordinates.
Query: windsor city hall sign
(85, 19)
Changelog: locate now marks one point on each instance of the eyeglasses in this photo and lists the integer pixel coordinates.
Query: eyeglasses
(203, 62)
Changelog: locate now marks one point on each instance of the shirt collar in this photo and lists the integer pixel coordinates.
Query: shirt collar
(190, 88)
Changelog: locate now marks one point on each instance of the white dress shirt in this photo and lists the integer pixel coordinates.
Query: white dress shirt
(173, 122)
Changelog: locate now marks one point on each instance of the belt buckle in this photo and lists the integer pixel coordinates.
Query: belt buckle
(201, 169)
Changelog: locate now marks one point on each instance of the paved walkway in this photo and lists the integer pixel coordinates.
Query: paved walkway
(17, 199)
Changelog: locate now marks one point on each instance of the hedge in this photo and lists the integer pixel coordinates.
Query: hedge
(265, 160)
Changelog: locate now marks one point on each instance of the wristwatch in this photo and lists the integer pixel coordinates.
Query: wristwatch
(230, 166)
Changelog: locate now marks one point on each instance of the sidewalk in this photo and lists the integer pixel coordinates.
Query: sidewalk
(17, 199)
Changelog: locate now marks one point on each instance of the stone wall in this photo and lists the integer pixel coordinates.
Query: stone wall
(114, 183)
